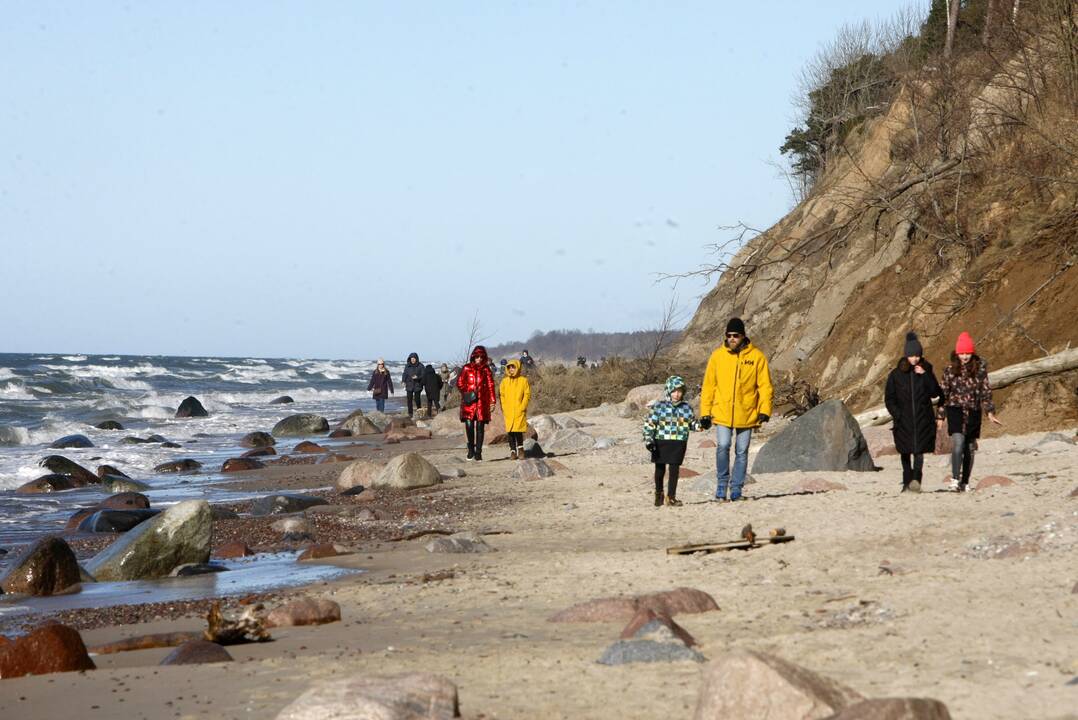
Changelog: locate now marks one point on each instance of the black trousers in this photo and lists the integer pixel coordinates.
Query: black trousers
(912, 466)
(671, 488)
(413, 397)
(516, 440)
(432, 400)
(475, 430)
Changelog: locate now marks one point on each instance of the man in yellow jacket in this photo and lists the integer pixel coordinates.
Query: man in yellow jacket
(736, 398)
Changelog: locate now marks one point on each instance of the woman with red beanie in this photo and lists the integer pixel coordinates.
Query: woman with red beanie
(966, 394)
(476, 385)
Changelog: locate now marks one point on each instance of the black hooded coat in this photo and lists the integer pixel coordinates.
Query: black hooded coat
(908, 396)
(412, 377)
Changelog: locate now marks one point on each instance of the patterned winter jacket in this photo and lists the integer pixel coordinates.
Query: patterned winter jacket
(668, 421)
(968, 393)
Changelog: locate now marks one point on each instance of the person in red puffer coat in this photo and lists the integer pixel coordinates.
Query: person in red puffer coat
(477, 398)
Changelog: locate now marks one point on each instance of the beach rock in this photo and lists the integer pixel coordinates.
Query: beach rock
(334, 458)
(644, 622)
(816, 485)
(567, 441)
(300, 425)
(103, 470)
(826, 438)
(309, 447)
(625, 652)
(191, 407)
(241, 464)
(78, 516)
(134, 440)
(220, 512)
(321, 550)
(464, 542)
(532, 469)
(339, 434)
(407, 471)
(48, 484)
(233, 549)
(993, 481)
(109, 425)
(645, 395)
(259, 452)
(750, 684)
(894, 709)
(532, 449)
(628, 410)
(283, 503)
(257, 439)
(364, 493)
(48, 648)
(305, 611)
(605, 443)
(115, 521)
(407, 434)
(452, 473)
(282, 400)
(292, 525)
(179, 466)
(122, 485)
(193, 569)
(623, 609)
(46, 567)
(360, 425)
(197, 652)
(413, 696)
(179, 535)
(400, 422)
(62, 466)
(71, 441)
(125, 501)
(358, 474)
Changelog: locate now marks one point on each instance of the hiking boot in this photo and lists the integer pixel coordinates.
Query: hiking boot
(478, 457)
(512, 454)
(673, 501)
(658, 499)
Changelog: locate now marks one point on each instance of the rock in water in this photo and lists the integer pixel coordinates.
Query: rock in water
(48, 484)
(749, 684)
(299, 425)
(177, 536)
(48, 648)
(115, 521)
(47, 567)
(62, 466)
(125, 501)
(191, 407)
(414, 696)
(825, 438)
(72, 441)
(408, 471)
(122, 485)
(240, 465)
(282, 503)
(179, 466)
(257, 440)
(194, 652)
(103, 470)
(895, 709)
(282, 400)
(109, 425)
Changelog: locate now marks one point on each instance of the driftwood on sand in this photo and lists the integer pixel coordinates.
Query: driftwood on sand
(1057, 363)
(248, 627)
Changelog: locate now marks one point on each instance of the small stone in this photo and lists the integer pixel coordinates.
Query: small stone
(195, 652)
(192, 569)
(309, 447)
(233, 549)
(241, 464)
(532, 469)
(993, 481)
(459, 543)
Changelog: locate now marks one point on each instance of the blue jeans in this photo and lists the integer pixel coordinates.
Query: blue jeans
(380, 403)
(739, 438)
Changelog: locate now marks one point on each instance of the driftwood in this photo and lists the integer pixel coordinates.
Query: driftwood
(745, 544)
(1057, 363)
(145, 642)
(248, 627)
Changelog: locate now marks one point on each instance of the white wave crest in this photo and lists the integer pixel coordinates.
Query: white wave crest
(254, 374)
(74, 358)
(15, 391)
(6, 373)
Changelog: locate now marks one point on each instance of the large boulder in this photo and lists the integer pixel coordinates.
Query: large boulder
(177, 536)
(569, 440)
(750, 684)
(109, 425)
(361, 425)
(241, 464)
(826, 438)
(283, 503)
(414, 696)
(282, 400)
(46, 567)
(191, 407)
(360, 473)
(446, 424)
(122, 485)
(894, 709)
(257, 439)
(71, 441)
(179, 466)
(125, 501)
(532, 469)
(115, 521)
(300, 425)
(407, 471)
(62, 466)
(48, 648)
(103, 470)
(644, 395)
(305, 611)
(49, 484)
(623, 609)
(197, 652)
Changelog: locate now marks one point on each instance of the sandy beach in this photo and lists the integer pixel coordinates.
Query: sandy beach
(967, 598)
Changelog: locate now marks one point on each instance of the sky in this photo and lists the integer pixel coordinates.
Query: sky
(355, 179)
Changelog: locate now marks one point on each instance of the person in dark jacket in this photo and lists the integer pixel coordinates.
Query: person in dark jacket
(432, 384)
(381, 385)
(412, 378)
(967, 395)
(909, 392)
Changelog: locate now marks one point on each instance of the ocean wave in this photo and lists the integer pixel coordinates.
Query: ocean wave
(251, 375)
(6, 373)
(74, 358)
(15, 391)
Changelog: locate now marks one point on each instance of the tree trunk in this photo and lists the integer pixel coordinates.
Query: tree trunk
(1060, 362)
(989, 18)
(952, 24)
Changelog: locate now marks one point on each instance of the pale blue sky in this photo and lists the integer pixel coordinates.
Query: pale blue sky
(353, 179)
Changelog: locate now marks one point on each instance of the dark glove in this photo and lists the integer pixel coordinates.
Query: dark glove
(705, 422)
(764, 418)
(650, 446)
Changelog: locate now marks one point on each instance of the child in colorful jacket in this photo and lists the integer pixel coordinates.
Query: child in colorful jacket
(666, 436)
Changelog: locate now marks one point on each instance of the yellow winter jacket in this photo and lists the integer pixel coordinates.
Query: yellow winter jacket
(515, 392)
(737, 387)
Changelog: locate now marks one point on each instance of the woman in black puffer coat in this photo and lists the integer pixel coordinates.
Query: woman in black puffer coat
(910, 389)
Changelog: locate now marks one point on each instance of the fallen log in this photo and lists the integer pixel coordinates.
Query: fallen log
(746, 544)
(145, 642)
(998, 379)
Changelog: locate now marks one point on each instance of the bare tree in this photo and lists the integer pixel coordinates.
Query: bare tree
(475, 337)
(664, 336)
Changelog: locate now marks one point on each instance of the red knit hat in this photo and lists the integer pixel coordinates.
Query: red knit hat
(964, 344)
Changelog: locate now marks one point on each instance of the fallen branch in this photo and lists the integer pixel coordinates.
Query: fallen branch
(145, 642)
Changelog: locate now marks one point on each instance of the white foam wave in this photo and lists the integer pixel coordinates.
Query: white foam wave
(252, 375)
(74, 358)
(15, 391)
(111, 358)
(40, 389)
(6, 373)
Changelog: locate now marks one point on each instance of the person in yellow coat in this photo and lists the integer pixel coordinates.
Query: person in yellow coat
(516, 393)
(736, 397)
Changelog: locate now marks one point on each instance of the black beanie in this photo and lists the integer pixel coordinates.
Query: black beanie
(913, 345)
(735, 325)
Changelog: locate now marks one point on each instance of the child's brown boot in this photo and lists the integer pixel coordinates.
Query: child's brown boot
(672, 501)
(513, 455)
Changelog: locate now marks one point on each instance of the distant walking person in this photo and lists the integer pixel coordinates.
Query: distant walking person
(476, 385)
(412, 379)
(966, 395)
(666, 436)
(910, 388)
(527, 363)
(432, 384)
(447, 377)
(381, 385)
(516, 393)
(736, 397)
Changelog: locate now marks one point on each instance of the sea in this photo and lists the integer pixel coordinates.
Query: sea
(45, 397)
